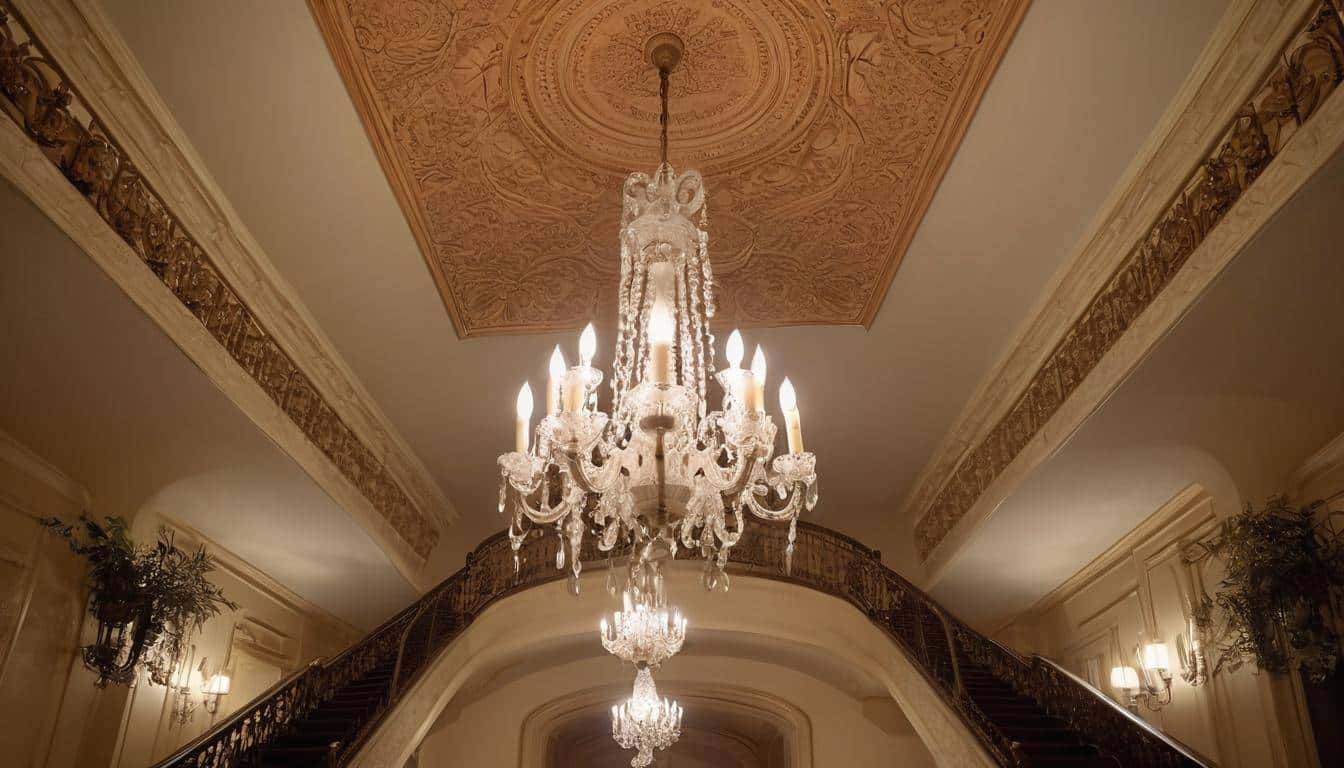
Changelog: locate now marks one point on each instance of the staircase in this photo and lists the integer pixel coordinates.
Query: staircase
(1029, 733)
(333, 723)
(1026, 712)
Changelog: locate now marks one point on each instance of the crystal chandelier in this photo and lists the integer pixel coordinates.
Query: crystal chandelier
(646, 633)
(662, 471)
(645, 722)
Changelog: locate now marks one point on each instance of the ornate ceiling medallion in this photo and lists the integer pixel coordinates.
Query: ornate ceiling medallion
(753, 81)
(824, 128)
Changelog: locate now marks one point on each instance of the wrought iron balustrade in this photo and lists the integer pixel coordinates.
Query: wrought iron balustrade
(940, 646)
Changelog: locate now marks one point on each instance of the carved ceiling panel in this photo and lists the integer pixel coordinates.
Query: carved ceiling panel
(822, 127)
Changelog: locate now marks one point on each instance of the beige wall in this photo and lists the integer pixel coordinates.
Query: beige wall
(54, 716)
(1093, 622)
(484, 729)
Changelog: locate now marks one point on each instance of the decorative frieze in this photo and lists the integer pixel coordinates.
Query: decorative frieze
(1310, 68)
(37, 96)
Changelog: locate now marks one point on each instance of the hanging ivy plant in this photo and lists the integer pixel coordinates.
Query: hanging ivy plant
(147, 600)
(1276, 604)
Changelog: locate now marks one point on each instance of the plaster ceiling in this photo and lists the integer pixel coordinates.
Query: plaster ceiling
(506, 128)
(96, 389)
(254, 87)
(1241, 393)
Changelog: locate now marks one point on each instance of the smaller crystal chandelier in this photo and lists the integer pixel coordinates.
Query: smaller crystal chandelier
(645, 722)
(647, 632)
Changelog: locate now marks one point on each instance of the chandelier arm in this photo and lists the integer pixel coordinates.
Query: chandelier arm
(590, 477)
(539, 515)
(793, 502)
(726, 480)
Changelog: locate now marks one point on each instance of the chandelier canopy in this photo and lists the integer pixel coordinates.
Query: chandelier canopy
(662, 471)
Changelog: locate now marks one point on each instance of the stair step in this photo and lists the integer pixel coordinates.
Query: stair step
(1096, 761)
(1024, 733)
(1057, 749)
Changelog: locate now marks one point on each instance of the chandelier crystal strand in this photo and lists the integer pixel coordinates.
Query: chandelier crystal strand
(645, 722)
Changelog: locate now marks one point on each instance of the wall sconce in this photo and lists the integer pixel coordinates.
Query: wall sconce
(181, 682)
(1126, 681)
(1194, 667)
(1155, 683)
(218, 685)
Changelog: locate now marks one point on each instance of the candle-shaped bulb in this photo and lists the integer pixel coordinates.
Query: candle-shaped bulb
(756, 400)
(734, 349)
(587, 345)
(788, 399)
(556, 382)
(524, 410)
(788, 403)
(758, 365)
(557, 367)
(524, 404)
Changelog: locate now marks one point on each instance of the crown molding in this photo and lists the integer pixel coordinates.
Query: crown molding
(269, 357)
(1166, 232)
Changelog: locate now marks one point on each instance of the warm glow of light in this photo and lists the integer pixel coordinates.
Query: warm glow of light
(1155, 657)
(524, 405)
(788, 399)
(557, 369)
(587, 345)
(662, 327)
(758, 365)
(1124, 678)
(218, 685)
(734, 351)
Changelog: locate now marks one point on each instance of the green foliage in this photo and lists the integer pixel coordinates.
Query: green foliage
(148, 600)
(1276, 604)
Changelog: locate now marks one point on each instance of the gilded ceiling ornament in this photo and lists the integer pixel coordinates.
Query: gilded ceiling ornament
(823, 128)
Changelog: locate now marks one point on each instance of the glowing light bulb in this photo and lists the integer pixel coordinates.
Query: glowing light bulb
(734, 350)
(587, 345)
(524, 410)
(788, 399)
(557, 367)
(556, 382)
(793, 423)
(756, 391)
(758, 365)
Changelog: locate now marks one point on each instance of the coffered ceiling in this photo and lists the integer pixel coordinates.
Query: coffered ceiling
(823, 128)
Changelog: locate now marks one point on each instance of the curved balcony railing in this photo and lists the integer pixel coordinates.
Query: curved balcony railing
(939, 645)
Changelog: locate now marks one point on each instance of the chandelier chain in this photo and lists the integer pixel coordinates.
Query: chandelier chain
(663, 87)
